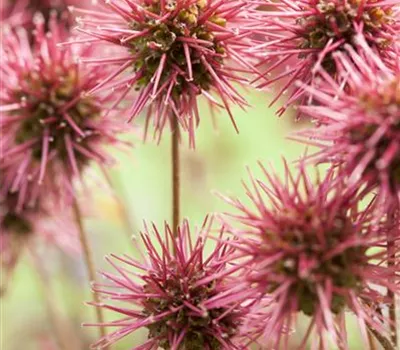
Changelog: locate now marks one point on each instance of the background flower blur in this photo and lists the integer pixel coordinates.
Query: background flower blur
(139, 178)
(137, 189)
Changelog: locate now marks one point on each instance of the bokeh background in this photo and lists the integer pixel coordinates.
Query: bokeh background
(141, 191)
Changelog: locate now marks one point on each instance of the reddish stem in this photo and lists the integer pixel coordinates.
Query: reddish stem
(175, 176)
(391, 250)
(89, 262)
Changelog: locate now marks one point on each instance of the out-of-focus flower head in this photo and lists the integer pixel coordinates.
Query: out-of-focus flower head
(50, 129)
(32, 225)
(171, 53)
(302, 35)
(14, 13)
(359, 125)
(308, 249)
(180, 294)
(16, 229)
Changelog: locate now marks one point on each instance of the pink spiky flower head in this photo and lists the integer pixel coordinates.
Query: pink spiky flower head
(172, 52)
(359, 126)
(50, 129)
(181, 295)
(308, 249)
(302, 35)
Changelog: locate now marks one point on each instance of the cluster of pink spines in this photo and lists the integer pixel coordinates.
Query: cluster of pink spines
(302, 35)
(360, 126)
(51, 130)
(309, 251)
(174, 52)
(183, 297)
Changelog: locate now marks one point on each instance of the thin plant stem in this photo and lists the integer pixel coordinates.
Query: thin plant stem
(341, 324)
(63, 334)
(89, 262)
(371, 341)
(175, 175)
(391, 251)
(392, 298)
(385, 342)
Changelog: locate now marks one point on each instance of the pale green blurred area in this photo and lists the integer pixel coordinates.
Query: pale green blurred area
(142, 180)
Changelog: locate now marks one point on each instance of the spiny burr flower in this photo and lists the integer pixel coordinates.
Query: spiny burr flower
(182, 296)
(302, 35)
(359, 127)
(172, 52)
(22, 228)
(50, 129)
(308, 248)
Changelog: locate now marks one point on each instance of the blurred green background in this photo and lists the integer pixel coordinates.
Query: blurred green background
(142, 181)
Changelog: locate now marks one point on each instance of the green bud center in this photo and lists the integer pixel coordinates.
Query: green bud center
(196, 336)
(307, 247)
(335, 20)
(43, 110)
(164, 38)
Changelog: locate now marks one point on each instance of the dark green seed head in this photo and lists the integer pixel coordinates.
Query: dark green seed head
(16, 224)
(339, 269)
(198, 327)
(335, 20)
(163, 38)
(43, 111)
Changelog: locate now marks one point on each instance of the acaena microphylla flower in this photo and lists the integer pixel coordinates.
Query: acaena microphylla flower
(171, 53)
(302, 35)
(312, 252)
(50, 129)
(31, 226)
(359, 126)
(180, 294)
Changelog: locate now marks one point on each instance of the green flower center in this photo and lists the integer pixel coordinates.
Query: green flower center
(197, 335)
(306, 247)
(16, 224)
(336, 21)
(164, 38)
(43, 112)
